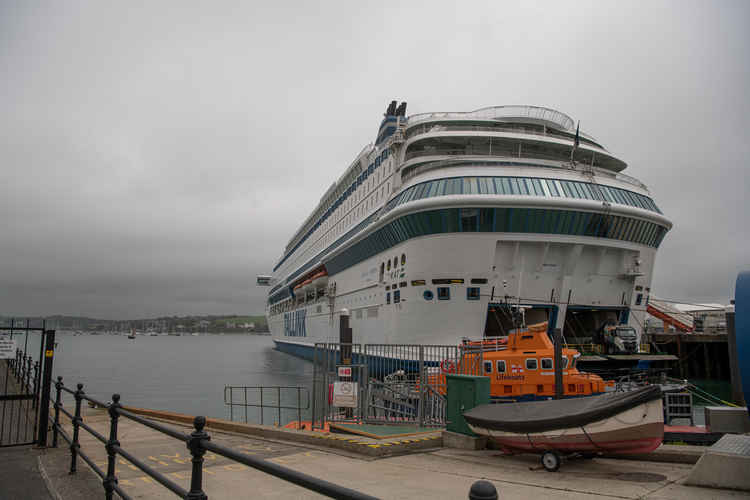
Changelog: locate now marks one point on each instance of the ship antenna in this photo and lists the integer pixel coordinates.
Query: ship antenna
(576, 142)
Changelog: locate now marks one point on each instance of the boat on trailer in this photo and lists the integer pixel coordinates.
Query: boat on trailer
(614, 423)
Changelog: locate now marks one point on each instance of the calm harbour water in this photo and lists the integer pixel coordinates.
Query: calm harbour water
(187, 374)
(183, 374)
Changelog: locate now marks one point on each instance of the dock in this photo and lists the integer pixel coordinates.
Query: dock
(430, 471)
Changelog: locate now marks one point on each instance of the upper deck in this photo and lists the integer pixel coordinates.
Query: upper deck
(504, 131)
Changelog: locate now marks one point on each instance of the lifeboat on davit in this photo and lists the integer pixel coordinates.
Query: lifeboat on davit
(307, 286)
(320, 279)
(521, 367)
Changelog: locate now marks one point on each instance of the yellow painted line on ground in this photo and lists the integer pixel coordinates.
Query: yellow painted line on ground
(160, 462)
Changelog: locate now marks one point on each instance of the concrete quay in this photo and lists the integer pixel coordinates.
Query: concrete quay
(435, 472)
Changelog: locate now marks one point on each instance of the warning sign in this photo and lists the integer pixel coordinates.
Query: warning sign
(7, 348)
(345, 371)
(345, 394)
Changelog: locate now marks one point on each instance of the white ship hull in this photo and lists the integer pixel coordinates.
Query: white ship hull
(542, 247)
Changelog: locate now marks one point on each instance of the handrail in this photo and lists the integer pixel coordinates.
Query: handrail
(500, 127)
(198, 443)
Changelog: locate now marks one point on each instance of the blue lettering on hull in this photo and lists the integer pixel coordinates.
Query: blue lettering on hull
(294, 323)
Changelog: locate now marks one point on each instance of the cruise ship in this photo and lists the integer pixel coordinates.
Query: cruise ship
(454, 225)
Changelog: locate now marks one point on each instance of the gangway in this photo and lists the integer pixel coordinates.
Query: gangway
(670, 315)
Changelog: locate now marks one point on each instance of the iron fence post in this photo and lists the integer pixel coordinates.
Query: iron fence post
(278, 401)
(29, 368)
(110, 480)
(36, 384)
(195, 446)
(46, 385)
(261, 406)
(76, 421)
(422, 382)
(22, 378)
(58, 404)
(299, 409)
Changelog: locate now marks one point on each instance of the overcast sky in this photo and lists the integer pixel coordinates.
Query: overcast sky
(156, 156)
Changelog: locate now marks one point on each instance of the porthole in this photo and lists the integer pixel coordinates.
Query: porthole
(428, 295)
(403, 259)
(395, 262)
(389, 265)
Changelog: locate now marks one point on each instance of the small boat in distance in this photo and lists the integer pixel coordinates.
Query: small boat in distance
(619, 423)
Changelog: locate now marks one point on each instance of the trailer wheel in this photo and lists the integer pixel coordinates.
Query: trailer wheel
(551, 461)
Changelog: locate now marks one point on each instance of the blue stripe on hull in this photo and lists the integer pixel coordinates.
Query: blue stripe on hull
(299, 350)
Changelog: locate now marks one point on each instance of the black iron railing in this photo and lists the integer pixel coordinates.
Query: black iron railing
(236, 395)
(198, 442)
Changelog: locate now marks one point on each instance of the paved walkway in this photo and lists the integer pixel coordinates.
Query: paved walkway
(20, 476)
(443, 473)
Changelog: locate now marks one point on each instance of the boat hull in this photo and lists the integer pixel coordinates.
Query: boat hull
(637, 430)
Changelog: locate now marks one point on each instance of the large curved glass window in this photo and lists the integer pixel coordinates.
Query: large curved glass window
(500, 220)
(523, 186)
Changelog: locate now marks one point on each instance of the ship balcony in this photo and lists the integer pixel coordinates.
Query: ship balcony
(497, 127)
(450, 144)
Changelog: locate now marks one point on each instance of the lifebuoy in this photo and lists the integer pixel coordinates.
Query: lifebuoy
(448, 366)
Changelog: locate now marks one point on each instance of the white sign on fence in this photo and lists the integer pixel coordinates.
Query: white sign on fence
(345, 371)
(7, 348)
(345, 394)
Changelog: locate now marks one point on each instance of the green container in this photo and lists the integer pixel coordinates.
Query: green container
(464, 393)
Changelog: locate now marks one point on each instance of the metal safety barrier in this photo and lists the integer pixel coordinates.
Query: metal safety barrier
(261, 404)
(198, 442)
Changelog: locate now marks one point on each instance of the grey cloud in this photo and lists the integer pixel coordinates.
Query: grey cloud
(154, 158)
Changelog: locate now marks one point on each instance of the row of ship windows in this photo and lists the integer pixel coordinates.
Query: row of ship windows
(341, 199)
(501, 220)
(443, 293)
(528, 186)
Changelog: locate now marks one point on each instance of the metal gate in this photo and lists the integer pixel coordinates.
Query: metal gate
(26, 355)
(391, 383)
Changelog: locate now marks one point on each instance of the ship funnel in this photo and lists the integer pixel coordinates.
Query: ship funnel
(401, 110)
(391, 109)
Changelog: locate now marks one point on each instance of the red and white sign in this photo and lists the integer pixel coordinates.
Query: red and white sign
(345, 371)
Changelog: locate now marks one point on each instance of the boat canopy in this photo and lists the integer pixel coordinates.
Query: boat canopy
(541, 416)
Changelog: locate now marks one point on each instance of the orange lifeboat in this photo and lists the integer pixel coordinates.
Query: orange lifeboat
(521, 367)
(320, 279)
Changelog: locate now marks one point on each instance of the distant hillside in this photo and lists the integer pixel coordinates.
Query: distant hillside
(234, 323)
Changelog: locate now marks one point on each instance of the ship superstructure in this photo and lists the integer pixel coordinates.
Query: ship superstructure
(450, 224)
